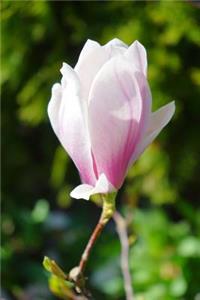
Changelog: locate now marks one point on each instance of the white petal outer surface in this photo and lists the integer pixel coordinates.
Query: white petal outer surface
(117, 43)
(157, 121)
(93, 56)
(119, 109)
(84, 191)
(137, 56)
(68, 118)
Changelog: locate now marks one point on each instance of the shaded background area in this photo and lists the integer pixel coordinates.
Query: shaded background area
(161, 195)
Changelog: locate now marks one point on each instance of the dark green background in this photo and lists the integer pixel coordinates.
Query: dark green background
(161, 194)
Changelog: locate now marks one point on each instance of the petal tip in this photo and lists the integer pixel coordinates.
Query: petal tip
(117, 42)
(65, 69)
(91, 41)
(85, 191)
(171, 108)
(78, 195)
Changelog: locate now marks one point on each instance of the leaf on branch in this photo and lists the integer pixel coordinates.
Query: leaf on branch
(52, 267)
(61, 288)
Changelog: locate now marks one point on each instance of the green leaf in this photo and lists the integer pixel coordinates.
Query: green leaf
(52, 267)
(60, 287)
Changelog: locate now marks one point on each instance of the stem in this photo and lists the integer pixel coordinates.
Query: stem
(97, 231)
(123, 236)
(107, 212)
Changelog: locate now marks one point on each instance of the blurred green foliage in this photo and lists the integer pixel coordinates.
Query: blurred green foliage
(161, 194)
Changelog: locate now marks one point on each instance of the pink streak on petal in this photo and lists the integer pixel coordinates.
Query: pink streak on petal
(117, 114)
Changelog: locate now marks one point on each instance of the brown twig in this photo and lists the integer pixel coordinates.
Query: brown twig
(84, 258)
(108, 208)
(76, 275)
(122, 232)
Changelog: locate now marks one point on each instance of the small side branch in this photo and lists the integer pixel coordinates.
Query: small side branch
(123, 236)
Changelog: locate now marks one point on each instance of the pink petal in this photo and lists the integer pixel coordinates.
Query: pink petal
(84, 191)
(119, 107)
(158, 120)
(88, 48)
(117, 43)
(92, 58)
(67, 114)
(137, 56)
(54, 106)
(115, 47)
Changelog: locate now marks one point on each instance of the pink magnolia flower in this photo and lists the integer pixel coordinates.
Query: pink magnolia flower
(101, 113)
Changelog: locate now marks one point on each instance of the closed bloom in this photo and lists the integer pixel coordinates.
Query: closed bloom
(101, 113)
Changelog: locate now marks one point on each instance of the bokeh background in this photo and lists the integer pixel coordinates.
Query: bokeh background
(160, 197)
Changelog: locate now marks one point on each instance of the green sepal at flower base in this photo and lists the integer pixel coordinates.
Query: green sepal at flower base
(108, 207)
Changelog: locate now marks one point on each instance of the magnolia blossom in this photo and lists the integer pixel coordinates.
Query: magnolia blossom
(101, 113)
